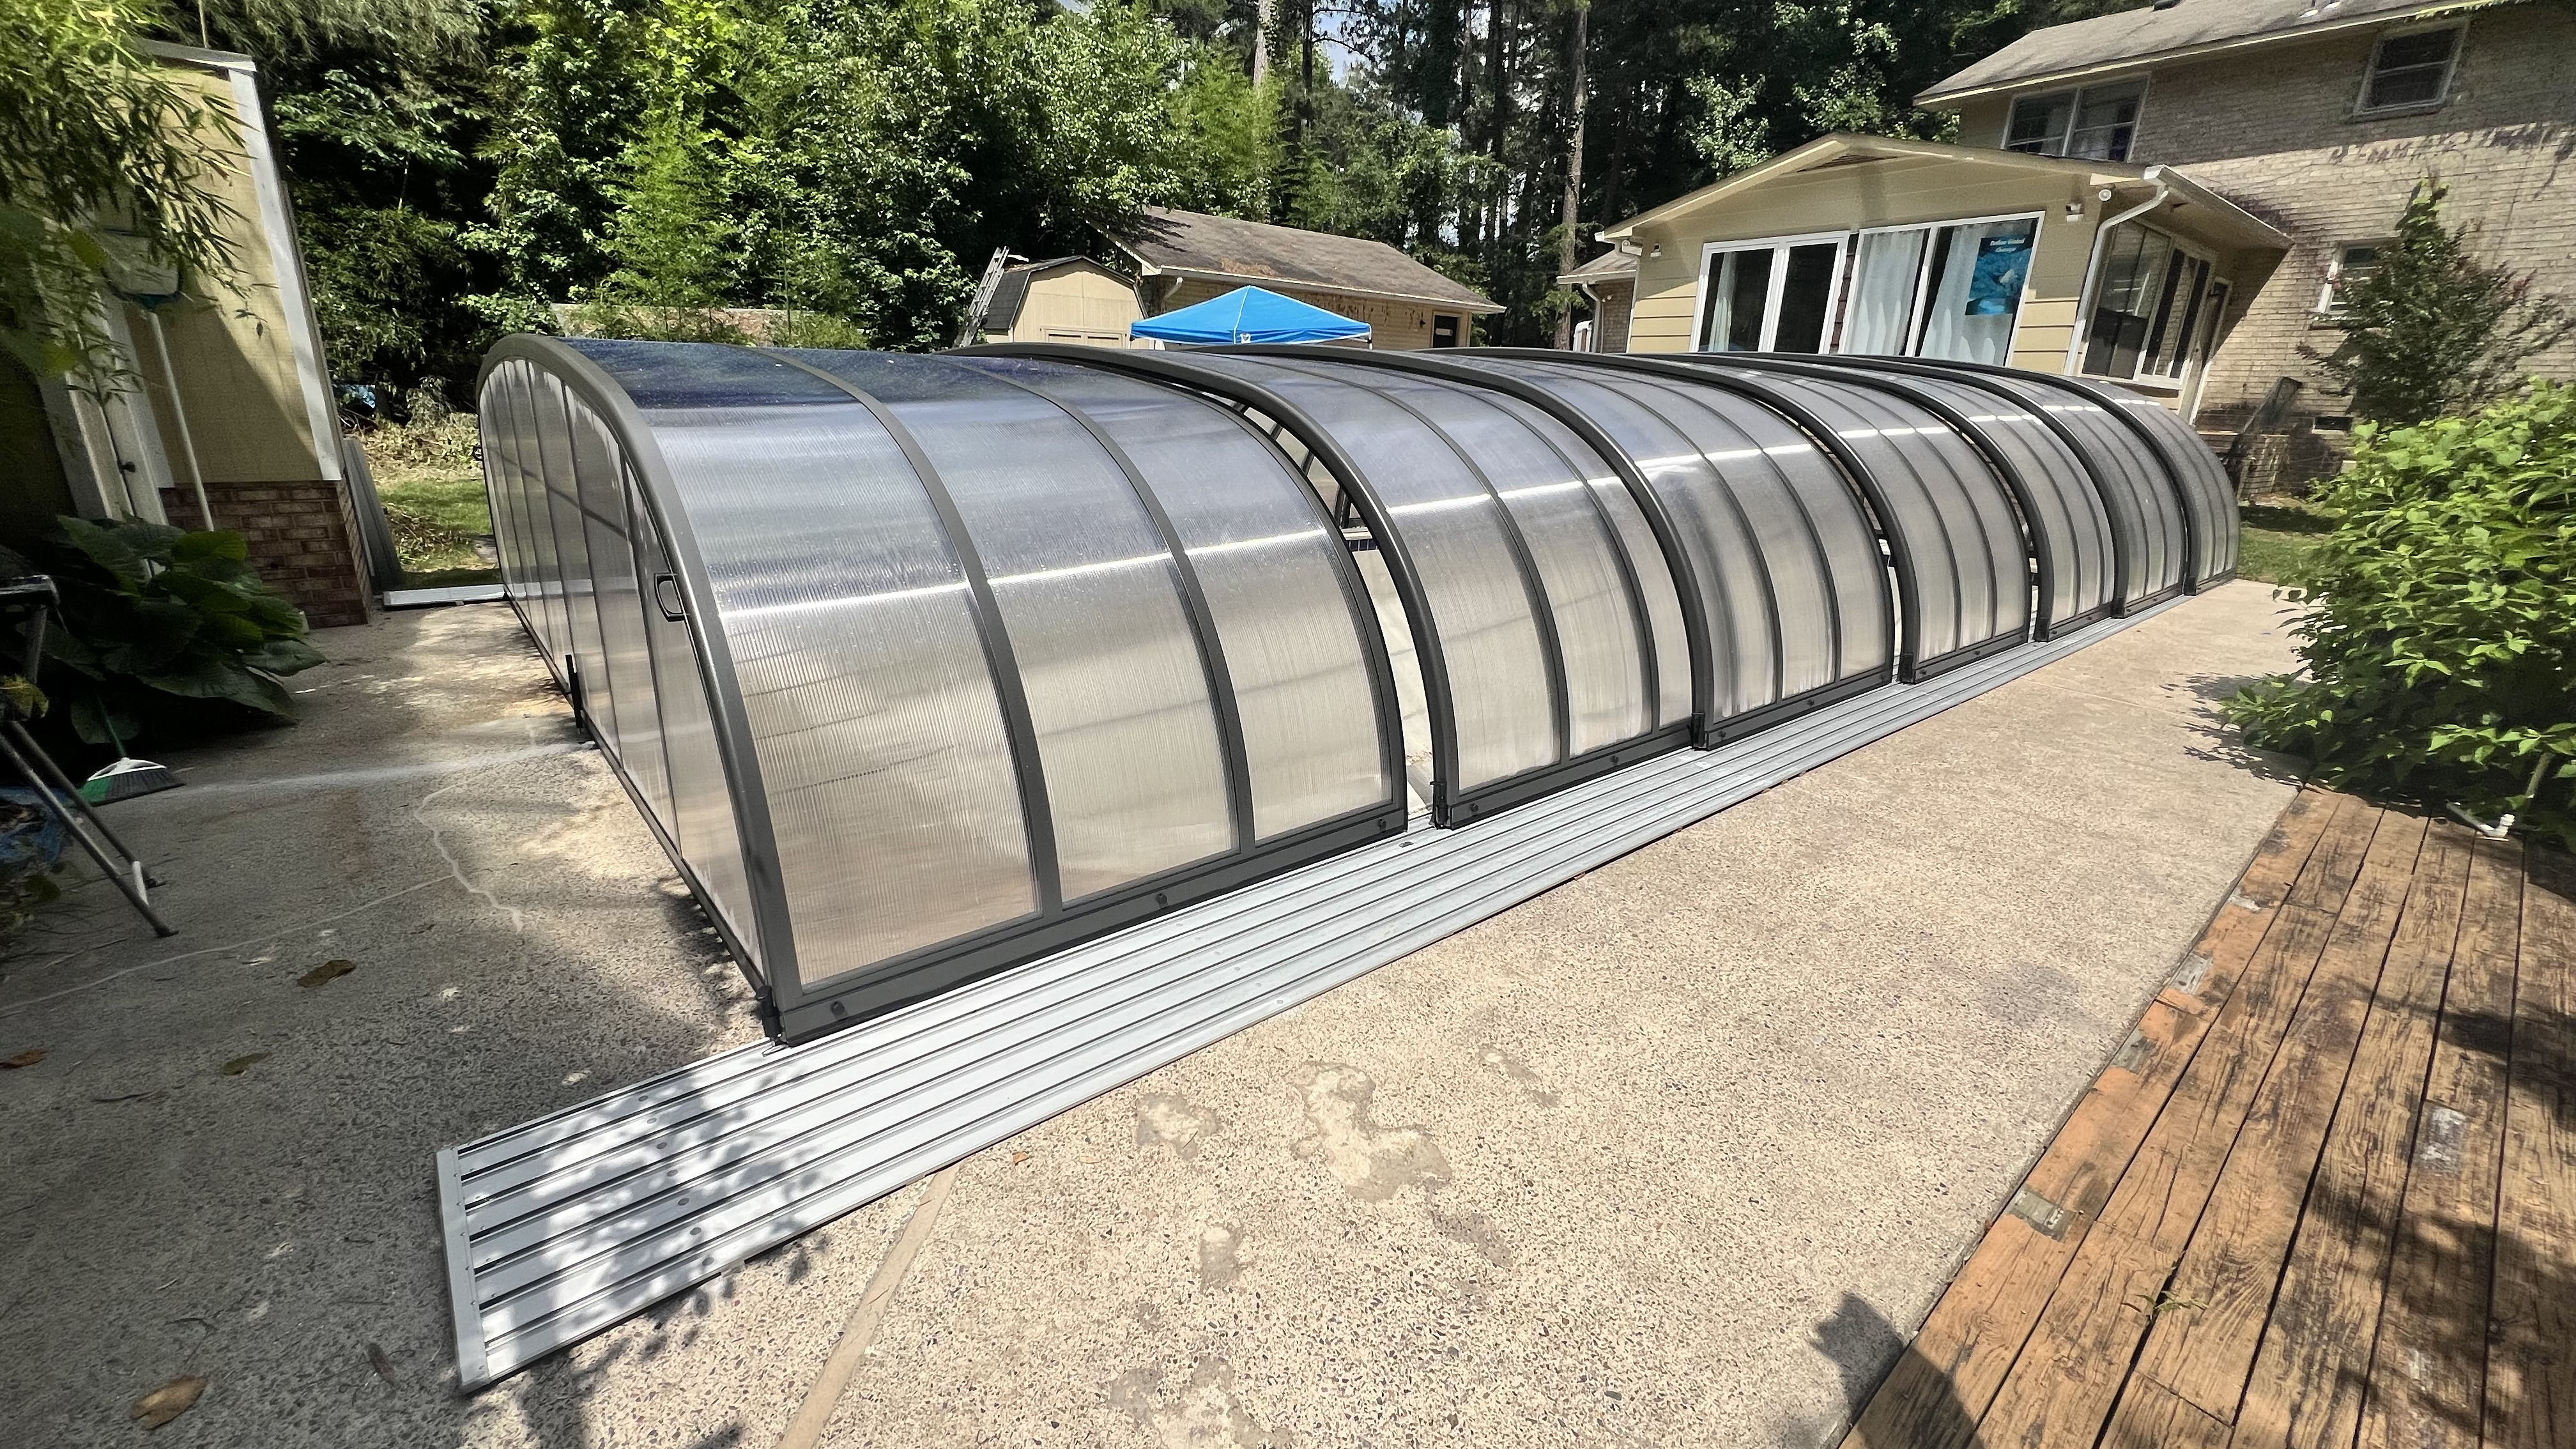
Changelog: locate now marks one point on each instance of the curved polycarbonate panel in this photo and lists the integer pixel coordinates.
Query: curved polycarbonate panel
(1269, 564)
(1578, 560)
(2145, 508)
(1454, 530)
(1951, 515)
(1106, 652)
(2206, 489)
(2069, 525)
(1644, 557)
(878, 730)
(921, 668)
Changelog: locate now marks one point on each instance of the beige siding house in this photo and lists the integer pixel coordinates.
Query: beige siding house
(225, 406)
(1865, 244)
(2180, 188)
(1186, 257)
(2321, 118)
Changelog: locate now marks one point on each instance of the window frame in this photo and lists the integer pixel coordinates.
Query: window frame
(2458, 30)
(2144, 81)
(2338, 259)
(2157, 382)
(1915, 317)
(1778, 246)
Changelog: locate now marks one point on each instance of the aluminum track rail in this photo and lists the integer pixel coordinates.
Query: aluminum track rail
(561, 1227)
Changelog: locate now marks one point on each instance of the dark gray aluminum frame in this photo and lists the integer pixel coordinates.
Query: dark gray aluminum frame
(788, 1008)
(2119, 405)
(2124, 538)
(2044, 623)
(1450, 805)
(1911, 665)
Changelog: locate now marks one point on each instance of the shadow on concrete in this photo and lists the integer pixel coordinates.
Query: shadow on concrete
(1867, 1350)
(219, 1171)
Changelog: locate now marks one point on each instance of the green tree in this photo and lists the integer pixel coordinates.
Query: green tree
(103, 164)
(2432, 329)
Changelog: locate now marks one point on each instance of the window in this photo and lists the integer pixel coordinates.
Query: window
(1950, 290)
(2097, 123)
(2410, 69)
(1772, 296)
(2351, 264)
(2149, 304)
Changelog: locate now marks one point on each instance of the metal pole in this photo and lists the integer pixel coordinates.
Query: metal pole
(179, 415)
(130, 885)
(63, 783)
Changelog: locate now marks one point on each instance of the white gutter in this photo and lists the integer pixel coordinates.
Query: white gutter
(2093, 266)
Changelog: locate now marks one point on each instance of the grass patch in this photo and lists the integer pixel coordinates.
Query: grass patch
(431, 480)
(2279, 535)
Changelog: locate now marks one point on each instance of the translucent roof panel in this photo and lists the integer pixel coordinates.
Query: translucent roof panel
(920, 668)
(2062, 508)
(1953, 529)
(1784, 563)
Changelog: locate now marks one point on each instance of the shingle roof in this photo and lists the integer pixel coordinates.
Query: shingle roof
(2133, 36)
(1609, 266)
(1196, 244)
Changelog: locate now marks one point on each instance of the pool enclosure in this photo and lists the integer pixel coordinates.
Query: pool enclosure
(922, 667)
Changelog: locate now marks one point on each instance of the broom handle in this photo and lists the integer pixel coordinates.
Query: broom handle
(63, 783)
(126, 885)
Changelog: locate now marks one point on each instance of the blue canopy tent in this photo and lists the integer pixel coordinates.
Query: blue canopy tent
(1249, 314)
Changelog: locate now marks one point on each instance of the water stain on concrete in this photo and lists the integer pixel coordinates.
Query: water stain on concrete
(1370, 1161)
(1477, 1231)
(1170, 1120)
(1530, 1083)
(1220, 1263)
(1202, 1414)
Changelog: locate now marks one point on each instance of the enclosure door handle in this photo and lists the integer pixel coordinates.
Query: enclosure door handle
(666, 596)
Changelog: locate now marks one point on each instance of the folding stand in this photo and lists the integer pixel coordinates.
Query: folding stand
(35, 594)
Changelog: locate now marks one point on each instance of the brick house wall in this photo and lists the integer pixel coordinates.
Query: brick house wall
(302, 539)
(1610, 319)
(2272, 128)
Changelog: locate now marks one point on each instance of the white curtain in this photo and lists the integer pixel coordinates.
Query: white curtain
(1882, 291)
(1969, 317)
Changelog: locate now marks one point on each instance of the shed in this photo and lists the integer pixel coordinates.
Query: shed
(1184, 257)
(1060, 299)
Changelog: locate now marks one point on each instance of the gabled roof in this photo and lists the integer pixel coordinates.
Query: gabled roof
(1616, 264)
(1842, 149)
(1003, 312)
(2191, 27)
(1165, 242)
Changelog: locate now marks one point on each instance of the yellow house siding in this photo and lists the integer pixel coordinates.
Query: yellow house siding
(1854, 198)
(246, 408)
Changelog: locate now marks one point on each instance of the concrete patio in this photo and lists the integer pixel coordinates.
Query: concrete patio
(1678, 1153)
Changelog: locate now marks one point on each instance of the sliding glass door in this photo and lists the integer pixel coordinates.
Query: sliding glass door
(1950, 290)
(1769, 296)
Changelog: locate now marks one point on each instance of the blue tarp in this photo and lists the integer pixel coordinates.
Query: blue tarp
(1249, 314)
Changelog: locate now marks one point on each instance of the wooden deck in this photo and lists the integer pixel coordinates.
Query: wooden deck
(2324, 1196)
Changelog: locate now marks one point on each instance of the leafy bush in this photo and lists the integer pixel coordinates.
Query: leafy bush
(159, 625)
(2440, 640)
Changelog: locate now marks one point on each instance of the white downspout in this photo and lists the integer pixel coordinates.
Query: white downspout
(2093, 265)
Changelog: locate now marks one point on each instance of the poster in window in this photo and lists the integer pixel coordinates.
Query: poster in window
(1994, 288)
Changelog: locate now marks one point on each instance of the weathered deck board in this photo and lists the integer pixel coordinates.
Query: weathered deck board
(2428, 1365)
(2061, 1388)
(2275, 1217)
(2306, 1386)
(1982, 1320)
(2531, 1350)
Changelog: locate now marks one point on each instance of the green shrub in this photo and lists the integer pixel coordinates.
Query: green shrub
(2440, 640)
(165, 632)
